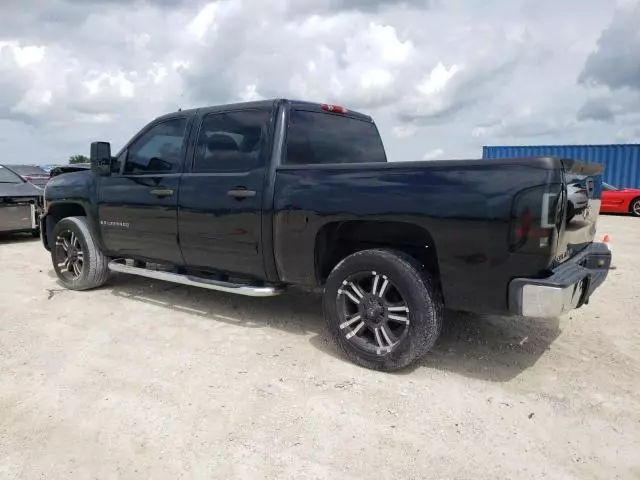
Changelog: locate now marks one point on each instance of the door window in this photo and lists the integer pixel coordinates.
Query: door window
(230, 141)
(159, 150)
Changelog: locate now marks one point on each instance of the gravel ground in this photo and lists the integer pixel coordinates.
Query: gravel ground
(147, 379)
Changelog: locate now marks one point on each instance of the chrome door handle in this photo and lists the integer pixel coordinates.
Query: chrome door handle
(162, 192)
(241, 193)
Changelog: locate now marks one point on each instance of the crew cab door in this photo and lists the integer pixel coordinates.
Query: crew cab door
(220, 202)
(137, 204)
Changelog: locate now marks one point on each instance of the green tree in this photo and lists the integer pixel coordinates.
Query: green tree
(78, 159)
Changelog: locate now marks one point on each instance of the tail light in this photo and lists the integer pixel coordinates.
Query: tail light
(535, 215)
(523, 227)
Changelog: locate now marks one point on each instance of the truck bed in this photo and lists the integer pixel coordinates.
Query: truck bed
(466, 207)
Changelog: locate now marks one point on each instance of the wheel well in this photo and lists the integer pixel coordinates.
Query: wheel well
(338, 240)
(633, 200)
(59, 211)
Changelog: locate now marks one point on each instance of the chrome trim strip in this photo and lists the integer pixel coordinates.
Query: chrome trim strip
(238, 289)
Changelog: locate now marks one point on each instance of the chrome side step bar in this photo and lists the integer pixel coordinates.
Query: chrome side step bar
(237, 288)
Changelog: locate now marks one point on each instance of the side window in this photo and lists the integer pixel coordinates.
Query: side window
(317, 138)
(231, 141)
(159, 150)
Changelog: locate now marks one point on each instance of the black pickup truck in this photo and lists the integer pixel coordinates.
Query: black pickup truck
(252, 198)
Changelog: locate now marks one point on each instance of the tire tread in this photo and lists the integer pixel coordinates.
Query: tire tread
(97, 271)
(430, 298)
(631, 210)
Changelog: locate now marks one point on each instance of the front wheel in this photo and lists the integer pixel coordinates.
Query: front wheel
(77, 259)
(382, 309)
(635, 207)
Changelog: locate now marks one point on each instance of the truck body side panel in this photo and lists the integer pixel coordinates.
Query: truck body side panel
(464, 205)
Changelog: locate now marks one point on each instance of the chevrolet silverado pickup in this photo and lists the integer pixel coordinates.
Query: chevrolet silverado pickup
(256, 197)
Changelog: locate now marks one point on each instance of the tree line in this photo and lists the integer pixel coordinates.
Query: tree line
(78, 159)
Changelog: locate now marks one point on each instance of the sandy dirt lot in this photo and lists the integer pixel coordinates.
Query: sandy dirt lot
(147, 379)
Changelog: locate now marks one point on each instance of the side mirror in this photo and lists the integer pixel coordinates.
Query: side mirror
(101, 158)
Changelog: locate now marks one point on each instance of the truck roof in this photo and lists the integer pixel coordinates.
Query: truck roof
(269, 104)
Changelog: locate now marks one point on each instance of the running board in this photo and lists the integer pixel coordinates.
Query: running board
(237, 288)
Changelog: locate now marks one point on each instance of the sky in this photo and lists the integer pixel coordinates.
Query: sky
(441, 78)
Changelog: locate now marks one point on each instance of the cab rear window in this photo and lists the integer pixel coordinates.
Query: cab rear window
(325, 138)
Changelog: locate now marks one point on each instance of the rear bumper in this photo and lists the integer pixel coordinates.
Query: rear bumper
(569, 286)
(20, 217)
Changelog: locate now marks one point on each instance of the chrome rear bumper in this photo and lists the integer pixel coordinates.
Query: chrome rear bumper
(568, 287)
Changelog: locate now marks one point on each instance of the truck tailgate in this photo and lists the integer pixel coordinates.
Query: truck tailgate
(582, 203)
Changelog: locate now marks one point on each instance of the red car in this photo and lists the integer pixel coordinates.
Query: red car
(620, 200)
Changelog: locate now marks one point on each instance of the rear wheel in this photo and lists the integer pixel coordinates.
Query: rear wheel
(382, 309)
(635, 207)
(77, 260)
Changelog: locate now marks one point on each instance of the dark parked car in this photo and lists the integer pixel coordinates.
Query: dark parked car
(20, 203)
(31, 173)
(252, 198)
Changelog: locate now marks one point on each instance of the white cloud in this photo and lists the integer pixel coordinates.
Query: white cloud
(433, 154)
(630, 134)
(453, 72)
(25, 55)
(203, 20)
(430, 96)
(437, 80)
(404, 131)
(250, 94)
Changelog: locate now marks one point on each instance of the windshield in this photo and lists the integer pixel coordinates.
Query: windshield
(28, 170)
(606, 186)
(7, 176)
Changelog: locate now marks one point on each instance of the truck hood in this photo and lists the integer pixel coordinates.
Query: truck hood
(77, 184)
(19, 190)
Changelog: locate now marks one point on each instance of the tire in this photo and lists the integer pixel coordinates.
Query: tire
(634, 207)
(92, 271)
(405, 278)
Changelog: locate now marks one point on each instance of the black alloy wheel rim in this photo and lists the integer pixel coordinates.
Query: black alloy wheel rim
(373, 314)
(69, 255)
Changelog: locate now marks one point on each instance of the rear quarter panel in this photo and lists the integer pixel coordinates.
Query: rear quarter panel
(464, 205)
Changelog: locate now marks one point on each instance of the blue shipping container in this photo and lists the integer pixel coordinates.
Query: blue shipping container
(621, 162)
